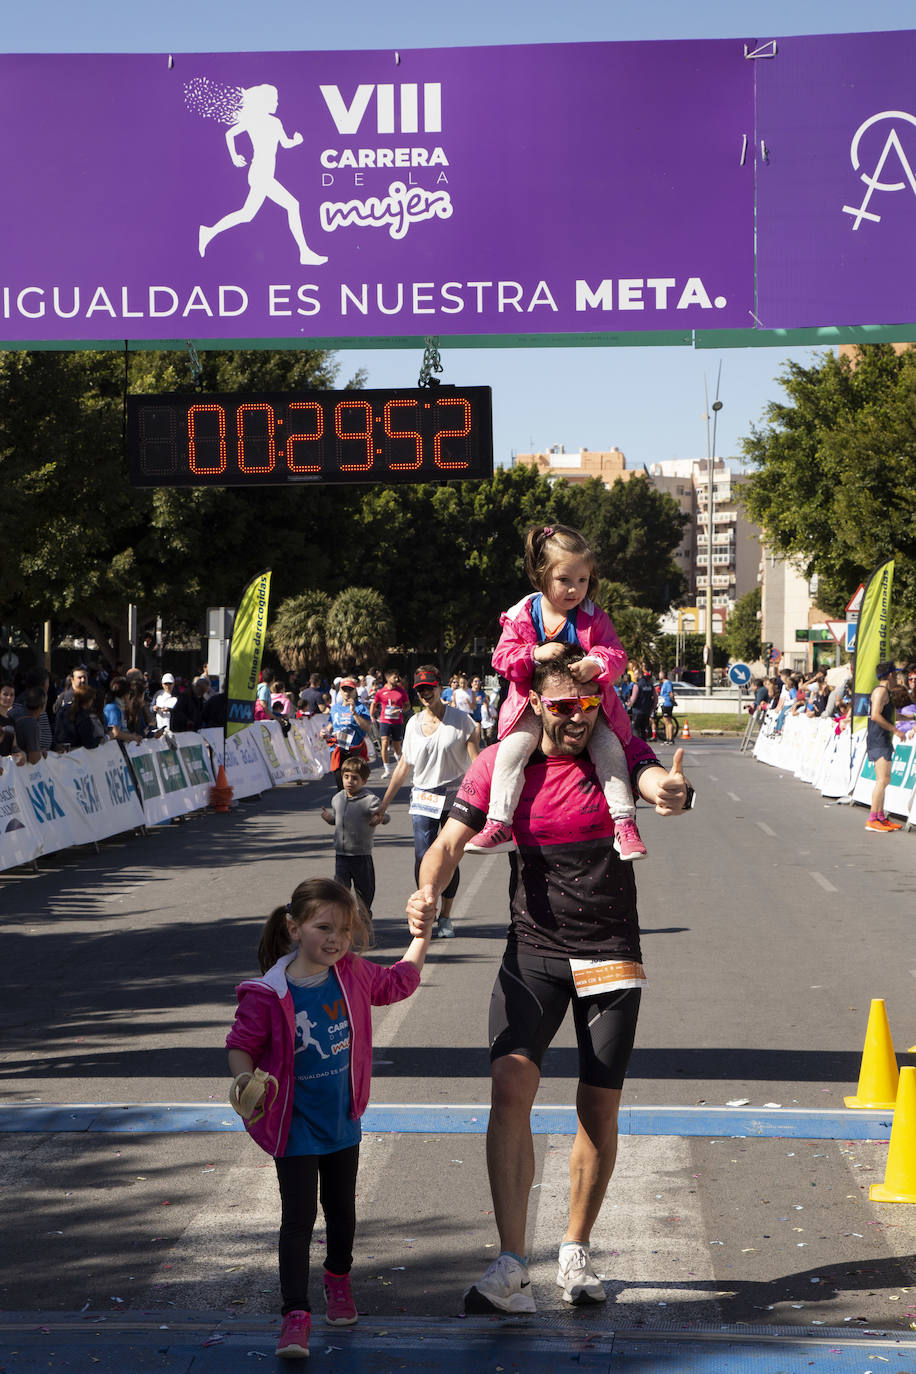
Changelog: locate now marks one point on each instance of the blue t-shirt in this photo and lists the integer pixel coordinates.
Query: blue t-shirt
(567, 632)
(351, 724)
(321, 1120)
(113, 715)
(665, 693)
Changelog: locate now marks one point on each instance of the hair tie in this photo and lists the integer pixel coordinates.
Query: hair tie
(289, 909)
(548, 531)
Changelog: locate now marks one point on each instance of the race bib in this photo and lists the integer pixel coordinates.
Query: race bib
(391, 714)
(606, 975)
(426, 803)
(346, 735)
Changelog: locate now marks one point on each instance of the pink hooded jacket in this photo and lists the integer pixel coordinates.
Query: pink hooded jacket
(513, 657)
(264, 1027)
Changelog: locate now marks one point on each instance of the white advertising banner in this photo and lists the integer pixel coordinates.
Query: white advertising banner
(173, 778)
(49, 790)
(898, 799)
(101, 786)
(278, 750)
(246, 771)
(19, 843)
(311, 748)
(842, 765)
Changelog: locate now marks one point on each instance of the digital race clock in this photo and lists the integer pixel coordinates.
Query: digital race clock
(270, 439)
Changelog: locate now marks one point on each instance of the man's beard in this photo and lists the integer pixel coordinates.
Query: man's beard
(557, 729)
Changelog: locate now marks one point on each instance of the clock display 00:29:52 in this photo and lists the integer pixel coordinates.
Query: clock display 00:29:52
(279, 439)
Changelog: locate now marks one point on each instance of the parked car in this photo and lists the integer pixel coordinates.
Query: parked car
(687, 689)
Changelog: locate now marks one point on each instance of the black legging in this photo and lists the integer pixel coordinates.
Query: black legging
(299, 1177)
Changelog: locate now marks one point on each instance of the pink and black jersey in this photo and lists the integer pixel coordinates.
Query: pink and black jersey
(570, 895)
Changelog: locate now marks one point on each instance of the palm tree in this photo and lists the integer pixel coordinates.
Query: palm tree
(360, 626)
(298, 634)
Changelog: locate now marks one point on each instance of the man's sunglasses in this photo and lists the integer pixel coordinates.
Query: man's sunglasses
(568, 706)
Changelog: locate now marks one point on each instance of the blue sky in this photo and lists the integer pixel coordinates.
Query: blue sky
(647, 401)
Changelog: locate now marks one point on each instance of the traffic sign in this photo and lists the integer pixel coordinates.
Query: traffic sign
(739, 674)
(855, 604)
(851, 628)
(838, 629)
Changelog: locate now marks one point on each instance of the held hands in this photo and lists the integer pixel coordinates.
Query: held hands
(671, 793)
(421, 912)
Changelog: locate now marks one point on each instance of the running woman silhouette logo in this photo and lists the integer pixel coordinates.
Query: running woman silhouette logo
(251, 111)
(892, 144)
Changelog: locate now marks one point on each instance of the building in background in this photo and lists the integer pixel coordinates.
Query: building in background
(735, 540)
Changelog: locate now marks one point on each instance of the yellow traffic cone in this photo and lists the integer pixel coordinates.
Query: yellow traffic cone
(685, 733)
(878, 1074)
(900, 1175)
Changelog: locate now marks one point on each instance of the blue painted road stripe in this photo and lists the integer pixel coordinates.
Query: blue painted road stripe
(179, 1118)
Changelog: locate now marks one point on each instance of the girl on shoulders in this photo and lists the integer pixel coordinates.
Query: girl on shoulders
(561, 567)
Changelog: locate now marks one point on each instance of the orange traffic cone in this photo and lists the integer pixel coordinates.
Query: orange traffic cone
(221, 793)
(900, 1175)
(878, 1076)
(685, 733)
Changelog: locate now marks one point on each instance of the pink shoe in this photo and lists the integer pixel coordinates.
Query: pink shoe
(627, 842)
(339, 1298)
(495, 838)
(294, 1338)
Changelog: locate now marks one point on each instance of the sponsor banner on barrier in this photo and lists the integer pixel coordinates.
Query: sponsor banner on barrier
(841, 765)
(173, 778)
(246, 771)
(216, 739)
(312, 750)
(283, 763)
(49, 789)
(899, 795)
(104, 788)
(19, 843)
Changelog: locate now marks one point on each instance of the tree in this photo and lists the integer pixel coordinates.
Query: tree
(634, 530)
(359, 627)
(297, 631)
(833, 482)
(637, 627)
(742, 628)
(81, 544)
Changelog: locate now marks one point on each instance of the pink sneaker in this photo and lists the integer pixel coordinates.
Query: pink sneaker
(339, 1298)
(294, 1338)
(627, 842)
(495, 838)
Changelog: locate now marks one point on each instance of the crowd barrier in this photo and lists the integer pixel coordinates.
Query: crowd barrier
(813, 751)
(90, 794)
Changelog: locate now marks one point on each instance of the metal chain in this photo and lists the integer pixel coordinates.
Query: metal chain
(431, 363)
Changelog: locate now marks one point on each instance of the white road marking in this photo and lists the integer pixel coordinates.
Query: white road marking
(732, 796)
(766, 829)
(664, 1261)
(823, 882)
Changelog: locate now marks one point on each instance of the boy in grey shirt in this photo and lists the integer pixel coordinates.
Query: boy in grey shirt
(354, 815)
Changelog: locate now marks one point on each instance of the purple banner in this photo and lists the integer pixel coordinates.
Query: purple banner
(837, 184)
(569, 189)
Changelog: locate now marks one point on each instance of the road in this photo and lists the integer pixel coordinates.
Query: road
(770, 921)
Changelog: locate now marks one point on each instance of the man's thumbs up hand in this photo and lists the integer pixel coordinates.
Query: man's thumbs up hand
(672, 790)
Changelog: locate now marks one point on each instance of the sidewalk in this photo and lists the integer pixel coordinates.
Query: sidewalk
(85, 1342)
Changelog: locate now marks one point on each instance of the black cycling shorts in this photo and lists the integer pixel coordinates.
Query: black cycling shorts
(530, 999)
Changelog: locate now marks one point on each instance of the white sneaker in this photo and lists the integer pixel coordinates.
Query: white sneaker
(505, 1287)
(576, 1276)
(386, 772)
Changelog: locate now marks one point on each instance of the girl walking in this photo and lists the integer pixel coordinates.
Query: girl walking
(301, 1052)
(561, 566)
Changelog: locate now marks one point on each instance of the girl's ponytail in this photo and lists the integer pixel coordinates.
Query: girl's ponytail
(275, 941)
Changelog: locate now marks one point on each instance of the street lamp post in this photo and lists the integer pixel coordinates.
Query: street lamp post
(710, 506)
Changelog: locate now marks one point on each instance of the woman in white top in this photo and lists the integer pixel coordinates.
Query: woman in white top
(439, 743)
